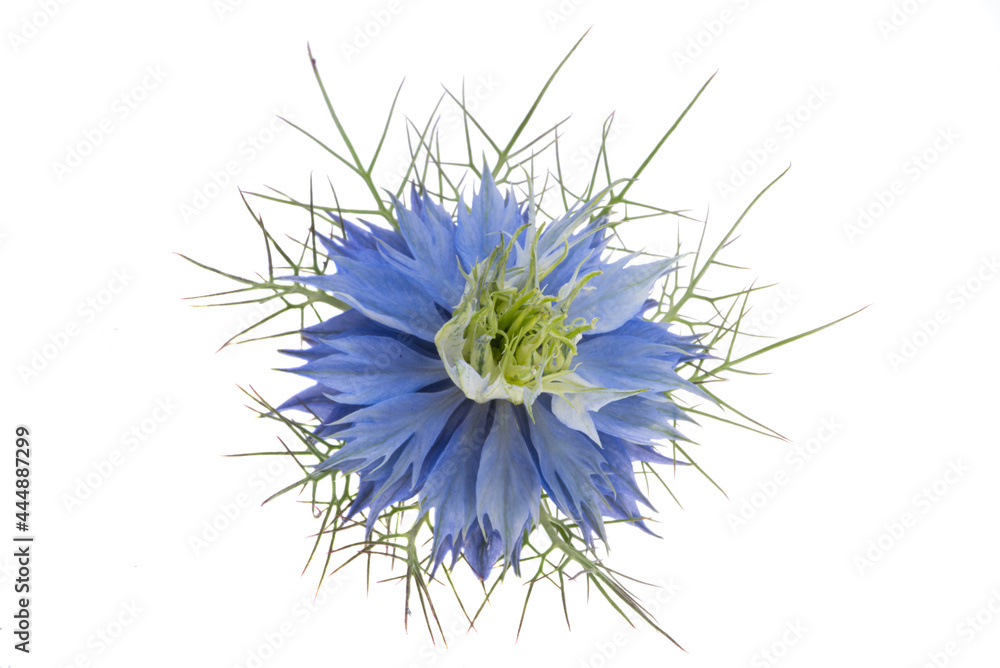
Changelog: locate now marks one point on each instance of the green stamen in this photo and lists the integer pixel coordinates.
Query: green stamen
(507, 338)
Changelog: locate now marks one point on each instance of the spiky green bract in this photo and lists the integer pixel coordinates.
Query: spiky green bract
(555, 545)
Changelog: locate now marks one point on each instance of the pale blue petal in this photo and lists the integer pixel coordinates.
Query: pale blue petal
(483, 548)
(481, 227)
(618, 294)
(342, 323)
(372, 369)
(410, 424)
(433, 261)
(450, 488)
(659, 332)
(322, 403)
(640, 420)
(623, 493)
(359, 241)
(559, 232)
(508, 489)
(625, 362)
(354, 323)
(570, 465)
(376, 495)
(382, 294)
(582, 257)
(574, 408)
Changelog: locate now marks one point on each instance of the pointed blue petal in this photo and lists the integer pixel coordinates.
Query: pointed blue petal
(372, 369)
(480, 227)
(482, 549)
(628, 363)
(583, 256)
(450, 489)
(659, 332)
(431, 242)
(515, 551)
(310, 400)
(383, 294)
(376, 495)
(322, 403)
(351, 320)
(618, 294)
(409, 424)
(354, 323)
(560, 231)
(314, 352)
(360, 240)
(508, 489)
(640, 420)
(570, 465)
(621, 472)
(623, 494)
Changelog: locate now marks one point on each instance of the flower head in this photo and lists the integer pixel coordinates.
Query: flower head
(499, 378)
(486, 360)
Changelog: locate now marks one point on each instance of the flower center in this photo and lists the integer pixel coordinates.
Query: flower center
(507, 339)
(521, 334)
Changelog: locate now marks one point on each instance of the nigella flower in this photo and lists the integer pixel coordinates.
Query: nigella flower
(486, 360)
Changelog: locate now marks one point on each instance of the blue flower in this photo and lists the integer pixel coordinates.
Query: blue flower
(487, 359)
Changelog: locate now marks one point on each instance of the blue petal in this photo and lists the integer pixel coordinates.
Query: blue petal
(618, 294)
(659, 332)
(383, 294)
(313, 352)
(450, 489)
(431, 242)
(628, 363)
(360, 241)
(508, 489)
(640, 420)
(570, 464)
(559, 232)
(483, 547)
(353, 322)
(424, 206)
(479, 229)
(320, 402)
(621, 493)
(584, 255)
(376, 494)
(646, 453)
(620, 455)
(372, 369)
(410, 425)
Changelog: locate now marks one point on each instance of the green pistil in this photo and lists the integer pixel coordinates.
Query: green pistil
(512, 335)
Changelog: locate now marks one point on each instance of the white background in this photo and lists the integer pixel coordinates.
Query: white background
(884, 431)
